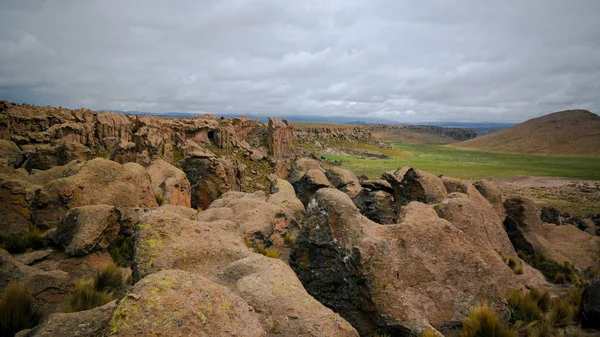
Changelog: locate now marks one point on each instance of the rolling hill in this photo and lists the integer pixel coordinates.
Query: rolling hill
(570, 132)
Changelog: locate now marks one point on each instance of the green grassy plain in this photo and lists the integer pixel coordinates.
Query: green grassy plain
(451, 162)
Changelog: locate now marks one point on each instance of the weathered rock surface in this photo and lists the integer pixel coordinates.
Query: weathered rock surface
(16, 196)
(166, 240)
(78, 267)
(11, 152)
(283, 306)
(49, 288)
(211, 176)
(170, 182)
(282, 193)
(183, 304)
(492, 193)
(87, 228)
(529, 234)
(590, 306)
(280, 138)
(344, 180)
(88, 323)
(412, 184)
(97, 182)
(394, 278)
(377, 205)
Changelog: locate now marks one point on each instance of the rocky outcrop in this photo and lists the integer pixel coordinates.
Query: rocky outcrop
(395, 278)
(376, 201)
(183, 304)
(280, 138)
(10, 152)
(170, 183)
(87, 228)
(565, 243)
(590, 306)
(410, 184)
(492, 193)
(283, 306)
(97, 182)
(49, 288)
(87, 323)
(16, 195)
(344, 180)
(210, 176)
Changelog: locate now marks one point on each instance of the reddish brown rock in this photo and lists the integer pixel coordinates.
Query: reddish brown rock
(16, 195)
(183, 304)
(87, 228)
(395, 278)
(280, 138)
(170, 183)
(344, 180)
(98, 181)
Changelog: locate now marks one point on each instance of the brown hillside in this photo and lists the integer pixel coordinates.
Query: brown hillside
(570, 132)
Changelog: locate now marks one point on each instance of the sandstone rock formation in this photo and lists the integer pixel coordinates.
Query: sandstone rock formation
(183, 304)
(376, 201)
(344, 180)
(560, 243)
(99, 181)
(86, 228)
(281, 138)
(394, 278)
(170, 182)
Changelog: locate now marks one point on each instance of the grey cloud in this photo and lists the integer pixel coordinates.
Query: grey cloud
(399, 60)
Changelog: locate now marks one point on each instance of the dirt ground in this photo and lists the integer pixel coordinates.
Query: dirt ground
(576, 196)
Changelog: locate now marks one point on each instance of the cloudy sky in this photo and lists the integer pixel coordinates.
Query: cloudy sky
(467, 60)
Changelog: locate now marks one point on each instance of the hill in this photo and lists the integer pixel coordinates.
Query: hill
(570, 132)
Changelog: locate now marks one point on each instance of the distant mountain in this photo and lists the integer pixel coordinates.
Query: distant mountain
(570, 132)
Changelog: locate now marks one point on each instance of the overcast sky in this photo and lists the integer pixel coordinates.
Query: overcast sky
(402, 60)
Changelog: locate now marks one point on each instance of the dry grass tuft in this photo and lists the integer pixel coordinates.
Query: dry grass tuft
(289, 239)
(17, 311)
(108, 278)
(86, 297)
(483, 321)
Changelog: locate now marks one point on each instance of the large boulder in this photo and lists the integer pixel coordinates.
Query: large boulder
(210, 176)
(280, 138)
(16, 195)
(255, 216)
(49, 288)
(564, 243)
(344, 180)
(590, 306)
(300, 167)
(97, 182)
(11, 152)
(396, 279)
(376, 203)
(282, 193)
(283, 305)
(180, 303)
(170, 183)
(167, 240)
(492, 193)
(412, 184)
(87, 323)
(46, 156)
(87, 228)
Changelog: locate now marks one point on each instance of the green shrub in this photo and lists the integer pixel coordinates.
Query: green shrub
(160, 199)
(121, 250)
(289, 239)
(17, 311)
(428, 333)
(86, 297)
(108, 278)
(483, 321)
(552, 270)
(32, 239)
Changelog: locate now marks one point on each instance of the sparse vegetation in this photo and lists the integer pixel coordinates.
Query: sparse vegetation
(261, 249)
(86, 297)
(121, 250)
(552, 270)
(483, 321)
(537, 314)
(32, 239)
(17, 310)
(512, 263)
(289, 239)
(98, 291)
(160, 199)
(428, 333)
